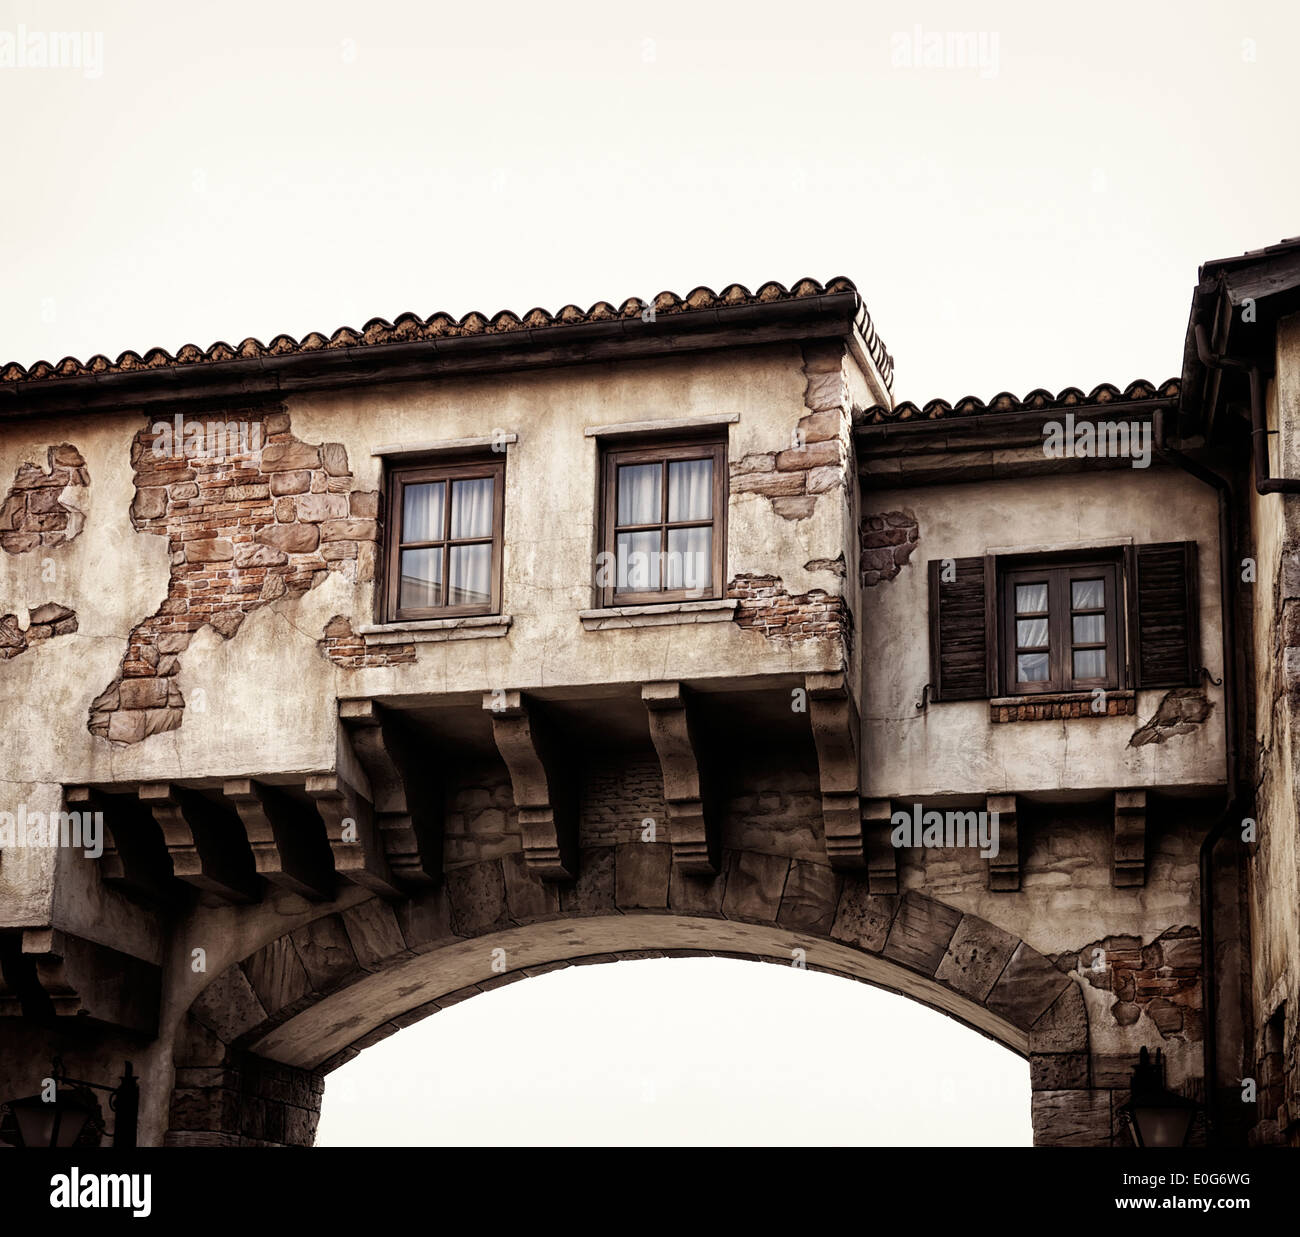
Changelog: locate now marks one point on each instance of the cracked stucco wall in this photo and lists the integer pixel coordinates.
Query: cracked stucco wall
(950, 748)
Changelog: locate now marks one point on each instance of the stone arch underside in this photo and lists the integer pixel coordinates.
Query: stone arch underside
(251, 1054)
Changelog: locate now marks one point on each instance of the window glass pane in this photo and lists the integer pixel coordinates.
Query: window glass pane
(469, 577)
(1090, 664)
(638, 494)
(1031, 667)
(471, 508)
(421, 585)
(1089, 629)
(1087, 594)
(638, 562)
(690, 490)
(422, 511)
(690, 558)
(1031, 598)
(1031, 633)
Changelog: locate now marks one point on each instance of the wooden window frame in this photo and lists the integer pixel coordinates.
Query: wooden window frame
(614, 456)
(1058, 573)
(423, 473)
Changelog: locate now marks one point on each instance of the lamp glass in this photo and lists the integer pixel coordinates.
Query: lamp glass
(1161, 1126)
(35, 1118)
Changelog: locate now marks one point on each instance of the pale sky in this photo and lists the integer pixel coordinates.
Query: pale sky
(250, 169)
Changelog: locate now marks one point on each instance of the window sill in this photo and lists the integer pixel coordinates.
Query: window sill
(661, 615)
(1060, 706)
(435, 631)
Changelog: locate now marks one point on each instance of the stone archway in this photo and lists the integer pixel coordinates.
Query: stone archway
(251, 1054)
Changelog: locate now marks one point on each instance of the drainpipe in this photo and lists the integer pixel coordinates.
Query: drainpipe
(1264, 484)
(1231, 810)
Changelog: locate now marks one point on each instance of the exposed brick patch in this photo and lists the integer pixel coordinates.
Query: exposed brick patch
(32, 516)
(341, 645)
(1179, 712)
(617, 796)
(1161, 980)
(238, 541)
(887, 541)
(1057, 707)
(814, 461)
(45, 621)
(765, 606)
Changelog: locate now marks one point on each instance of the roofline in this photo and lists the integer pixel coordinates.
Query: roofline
(388, 354)
(1137, 394)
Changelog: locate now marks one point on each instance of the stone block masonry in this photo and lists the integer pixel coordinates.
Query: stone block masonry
(887, 542)
(815, 460)
(45, 621)
(245, 527)
(32, 516)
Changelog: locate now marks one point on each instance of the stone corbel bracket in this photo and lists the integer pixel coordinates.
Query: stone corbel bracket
(834, 718)
(208, 849)
(548, 810)
(71, 977)
(289, 850)
(1130, 861)
(882, 855)
(354, 841)
(135, 859)
(408, 797)
(694, 829)
(1004, 867)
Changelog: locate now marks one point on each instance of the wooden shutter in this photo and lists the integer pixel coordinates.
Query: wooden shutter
(1164, 615)
(963, 626)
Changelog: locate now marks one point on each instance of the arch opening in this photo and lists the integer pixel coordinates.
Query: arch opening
(670, 1052)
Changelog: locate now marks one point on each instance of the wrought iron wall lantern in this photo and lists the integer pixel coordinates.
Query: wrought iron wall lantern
(61, 1120)
(1157, 1117)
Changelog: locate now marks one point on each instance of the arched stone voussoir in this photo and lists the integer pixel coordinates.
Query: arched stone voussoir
(313, 998)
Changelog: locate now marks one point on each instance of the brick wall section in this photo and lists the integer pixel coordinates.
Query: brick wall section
(45, 621)
(815, 459)
(766, 607)
(32, 516)
(269, 519)
(1161, 980)
(618, 796)
(341, 645)
(887, 541)
(1053, 708)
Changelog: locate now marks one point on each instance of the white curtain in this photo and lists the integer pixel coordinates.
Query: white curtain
(690, 558)
(422, 512)
(469, 572)
(638, 494)
(1088, 594)
(471, 508)
(469, 579)
(690, 490)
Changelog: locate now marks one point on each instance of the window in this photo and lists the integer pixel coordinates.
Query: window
(444, 540)
(1060, 628)
(664, 534)
(1122, 619)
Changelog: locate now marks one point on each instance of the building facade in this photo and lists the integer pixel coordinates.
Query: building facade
(353, 676)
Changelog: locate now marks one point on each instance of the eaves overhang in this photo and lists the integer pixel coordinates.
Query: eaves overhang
(1238, 301)
(413, 349)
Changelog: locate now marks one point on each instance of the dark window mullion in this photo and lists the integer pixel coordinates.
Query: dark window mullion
(660, 566)
(1058, 609)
